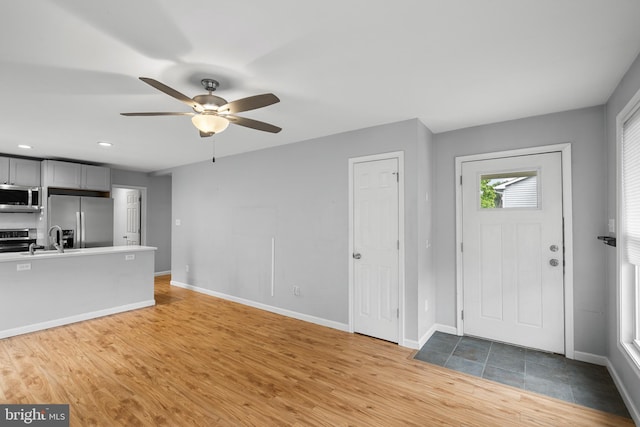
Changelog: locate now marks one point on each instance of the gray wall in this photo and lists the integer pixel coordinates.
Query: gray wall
(426, 306)
(298, 194)
(158, 211)
(584, 129)
(159, 220)
(627, 373)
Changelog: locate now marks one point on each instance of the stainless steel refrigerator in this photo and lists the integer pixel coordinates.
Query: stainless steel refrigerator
(86, 222)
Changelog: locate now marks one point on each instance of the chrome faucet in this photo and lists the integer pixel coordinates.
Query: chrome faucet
(33, 247)
(58, 239)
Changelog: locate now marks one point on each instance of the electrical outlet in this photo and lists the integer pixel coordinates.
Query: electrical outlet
(23, 267)
(129, 257)
(296, 291)
(612, 225)
(186, 268)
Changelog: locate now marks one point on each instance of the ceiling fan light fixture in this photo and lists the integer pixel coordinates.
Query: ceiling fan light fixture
(209, 123)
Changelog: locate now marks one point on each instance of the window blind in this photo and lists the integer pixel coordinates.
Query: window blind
(631, 186)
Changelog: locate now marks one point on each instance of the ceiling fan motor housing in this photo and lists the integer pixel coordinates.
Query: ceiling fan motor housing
(210, 102)
(209, 84)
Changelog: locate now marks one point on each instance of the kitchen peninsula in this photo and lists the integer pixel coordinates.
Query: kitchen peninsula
(50, 289)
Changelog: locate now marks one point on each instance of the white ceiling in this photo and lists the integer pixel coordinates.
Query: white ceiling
(69, 67)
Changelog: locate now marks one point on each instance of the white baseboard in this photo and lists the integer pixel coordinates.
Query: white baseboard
(631, 407)
(284, 312)
(590, 358)
(161, 273)
(425, 337)
(73, 319)
(410, 344)
(446, 329)
(436, 327)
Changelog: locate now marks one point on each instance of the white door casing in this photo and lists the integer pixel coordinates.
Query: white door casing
(375, 258)
(512, 257)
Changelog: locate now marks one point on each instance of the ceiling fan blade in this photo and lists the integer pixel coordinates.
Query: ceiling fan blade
(249, 103)
(253, 124)
(173, 93)
(157, 114)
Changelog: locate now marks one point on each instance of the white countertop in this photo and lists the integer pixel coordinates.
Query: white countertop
(45, 254)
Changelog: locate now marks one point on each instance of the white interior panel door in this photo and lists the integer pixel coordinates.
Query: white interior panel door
(376, 253)
(132, 235)
(512, 253)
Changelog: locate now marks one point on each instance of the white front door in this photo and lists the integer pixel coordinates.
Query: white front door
(376, 248)
(132, 234)
(512, 251)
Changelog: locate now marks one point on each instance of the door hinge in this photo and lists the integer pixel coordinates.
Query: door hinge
(397, 174)
(398, 244)
(461, 314)
(398, 313)
(460, 179)
(461, 247)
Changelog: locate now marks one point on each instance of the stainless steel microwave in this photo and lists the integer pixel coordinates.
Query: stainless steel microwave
(17, 198)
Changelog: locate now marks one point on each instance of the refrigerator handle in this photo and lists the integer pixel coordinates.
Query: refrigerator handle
(82, 220)
(78, 236)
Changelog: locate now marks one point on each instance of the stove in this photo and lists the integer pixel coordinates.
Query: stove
(17, 239)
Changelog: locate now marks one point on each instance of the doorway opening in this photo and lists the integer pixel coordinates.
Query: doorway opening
(129, 215)
(494, 286)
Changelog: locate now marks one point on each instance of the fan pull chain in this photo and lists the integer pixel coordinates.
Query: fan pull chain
(213, 159)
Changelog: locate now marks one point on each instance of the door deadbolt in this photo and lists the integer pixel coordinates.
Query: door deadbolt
(356, 255)
(554, 262)
(553, 248)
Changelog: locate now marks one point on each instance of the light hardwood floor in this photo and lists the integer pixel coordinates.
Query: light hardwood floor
(195, 360)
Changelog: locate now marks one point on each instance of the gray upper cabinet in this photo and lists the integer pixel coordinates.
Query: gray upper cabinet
(4, 170)
(96, 178)
(19, 172)
(62, 174)
(77, 176)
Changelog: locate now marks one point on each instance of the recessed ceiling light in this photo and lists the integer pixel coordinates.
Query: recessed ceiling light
(25, 146)
(105, 144)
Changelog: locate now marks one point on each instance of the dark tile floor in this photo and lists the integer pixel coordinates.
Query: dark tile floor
(545, 373)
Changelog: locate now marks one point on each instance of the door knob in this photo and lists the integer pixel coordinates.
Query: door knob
(554, 262)
(553, 248)
(356, 255)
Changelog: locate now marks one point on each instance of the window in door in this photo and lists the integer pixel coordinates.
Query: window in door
(510, 190)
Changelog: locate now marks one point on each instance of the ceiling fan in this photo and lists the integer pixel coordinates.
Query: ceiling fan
(212, 114)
